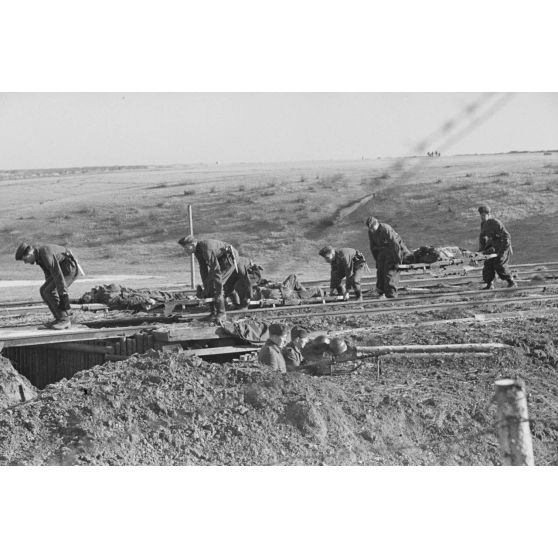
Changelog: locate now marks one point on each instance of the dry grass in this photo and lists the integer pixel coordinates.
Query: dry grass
(277, 214)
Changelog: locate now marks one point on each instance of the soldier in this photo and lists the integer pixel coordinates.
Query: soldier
(494, 238)
(293, 350)
(271, 353)
(218, 269)
(60, 268)
(345, 263)
(389, 251)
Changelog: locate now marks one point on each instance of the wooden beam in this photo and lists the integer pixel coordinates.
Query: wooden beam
(447, 348)
(83, 348)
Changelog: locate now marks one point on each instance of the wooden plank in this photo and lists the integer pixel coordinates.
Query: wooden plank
(83, 348)
(21, 336)
(220, 351)
(185, 333)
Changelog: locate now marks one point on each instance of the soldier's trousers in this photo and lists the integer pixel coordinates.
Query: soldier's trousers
(387, 276)
(498, 265)
(49, 293)
(352, 282)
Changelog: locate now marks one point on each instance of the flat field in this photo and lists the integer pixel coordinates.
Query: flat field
(126, 221)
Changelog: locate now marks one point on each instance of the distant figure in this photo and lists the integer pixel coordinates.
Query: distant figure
(271, 353)
(218, 264)
(293, 350)
(389, 251)
(348, 264)
(494, 239)
(61, 269)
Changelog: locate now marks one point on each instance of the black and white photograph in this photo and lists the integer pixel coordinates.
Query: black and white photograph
(266, 279)
(278, 279)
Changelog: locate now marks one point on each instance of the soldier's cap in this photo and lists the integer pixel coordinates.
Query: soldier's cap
(22, 249)
(371, 222)
(298, 333)
(278, 329)
(190, 239)
(484, 209)
(326, 250)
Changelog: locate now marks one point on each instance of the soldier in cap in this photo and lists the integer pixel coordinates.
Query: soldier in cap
(293, 350)
(494, 239)
(348, 264)
(389, 251)
(218, 264)
(61, 269)
(271, 353)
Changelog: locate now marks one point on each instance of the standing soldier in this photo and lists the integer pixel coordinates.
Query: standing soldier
(494, 239)
(218, 269)
(60, 268)
(388, 250)
(346, 263)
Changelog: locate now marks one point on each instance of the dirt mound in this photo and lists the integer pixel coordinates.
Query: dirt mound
(14, 388)
(169, 409)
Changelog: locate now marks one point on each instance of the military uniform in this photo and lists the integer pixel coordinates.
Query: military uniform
(239, 287)
(494, 238)
(388, 250)
(218, 264)
(60, 269)
(271, 355)
(293, 356)
(347, 263)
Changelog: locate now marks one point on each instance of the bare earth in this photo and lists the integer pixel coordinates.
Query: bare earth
(402, 410)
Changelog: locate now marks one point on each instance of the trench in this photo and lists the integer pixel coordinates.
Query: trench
(45, 364)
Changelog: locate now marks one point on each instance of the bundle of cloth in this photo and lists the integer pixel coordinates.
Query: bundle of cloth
(118, 297)
(431, 254)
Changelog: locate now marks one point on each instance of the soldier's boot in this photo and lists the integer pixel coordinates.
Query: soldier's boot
(63, 322)
(488, 287)
(512, 283)
(358, 295)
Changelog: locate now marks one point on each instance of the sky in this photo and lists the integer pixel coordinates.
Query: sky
(41, 130)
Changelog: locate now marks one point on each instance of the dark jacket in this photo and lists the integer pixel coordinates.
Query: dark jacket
(345, 262)
(385, 240)
(270, 354)
(56, 263)
(293, 356)
(217, 262)
(493, 235)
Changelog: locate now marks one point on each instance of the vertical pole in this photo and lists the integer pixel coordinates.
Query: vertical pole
(513, 423)
(192, 258)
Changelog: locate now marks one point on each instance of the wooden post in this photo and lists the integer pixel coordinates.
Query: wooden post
(513, 423)
(192, 257)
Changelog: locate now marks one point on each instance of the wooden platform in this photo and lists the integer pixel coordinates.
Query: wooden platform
(23, 336)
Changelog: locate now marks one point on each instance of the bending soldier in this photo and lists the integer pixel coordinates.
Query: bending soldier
(389, 251)
(61, 269)
(494, 239)
(348, 264)
(218, 264)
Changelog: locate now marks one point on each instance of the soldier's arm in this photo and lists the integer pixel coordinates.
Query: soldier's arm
(291, 359)
(504, 236)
